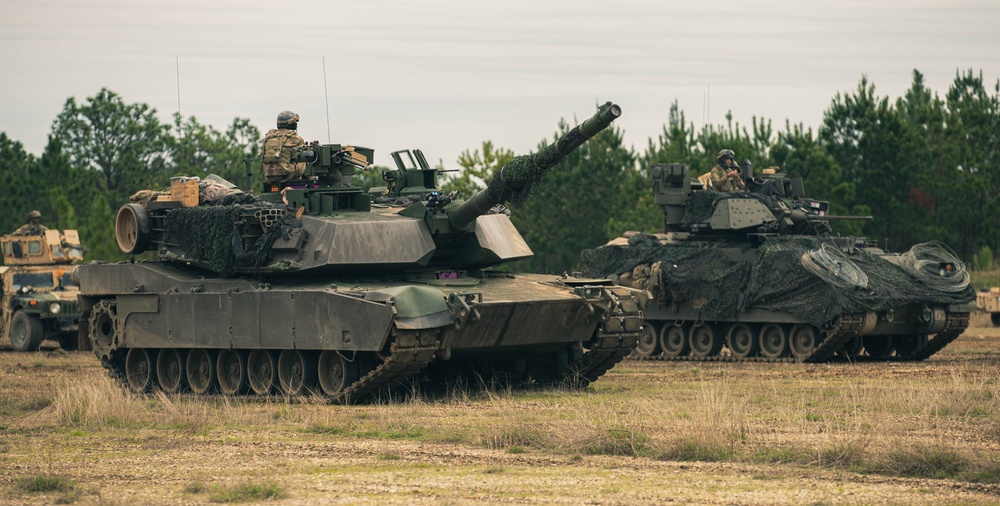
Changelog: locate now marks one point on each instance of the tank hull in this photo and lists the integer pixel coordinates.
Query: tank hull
(386, 330)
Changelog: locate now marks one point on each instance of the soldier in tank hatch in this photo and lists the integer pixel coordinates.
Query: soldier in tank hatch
(726, 174)
(277, 151)
(34, 227)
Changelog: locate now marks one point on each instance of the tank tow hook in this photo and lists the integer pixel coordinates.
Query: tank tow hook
(461, 305)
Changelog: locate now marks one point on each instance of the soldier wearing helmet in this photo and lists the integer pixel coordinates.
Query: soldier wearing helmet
(33, 227)
(277, 151)
(726, 174)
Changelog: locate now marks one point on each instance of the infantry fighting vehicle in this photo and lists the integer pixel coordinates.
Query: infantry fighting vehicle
(37, 299)
(757, 275)
(312, 286)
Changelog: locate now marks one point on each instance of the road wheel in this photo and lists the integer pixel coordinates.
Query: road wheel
(296, 372)
(803, 341)
(25, 332)
(877, 346)
(773, 341)
(200, 370)
(673, 340)
(336, 373)
(261, 372)
(170, 371)
(741, 341)
(140, 370)
(704, 340)
(649, 341)
(906, 346)
(231, 368)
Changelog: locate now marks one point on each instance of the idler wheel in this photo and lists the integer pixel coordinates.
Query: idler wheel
(262, 372)
(673, 340)
(170, 371)
(877, 346)
(740, 340)
(704, 340)
(296, 372)
(906, 346)
(773, 341)
(336, 373)
(140, 370)
(200, 370)
(803, 341)
(231, 368)
(649, 341)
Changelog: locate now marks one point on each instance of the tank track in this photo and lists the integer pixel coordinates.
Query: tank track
(409, 354)
(847, 327)
(616, 336)
(955, 324)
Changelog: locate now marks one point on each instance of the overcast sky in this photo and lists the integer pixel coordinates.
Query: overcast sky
(446, 75)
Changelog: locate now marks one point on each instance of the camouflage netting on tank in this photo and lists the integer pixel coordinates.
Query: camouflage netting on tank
(227, 236)
(518, 178)
(777, 280)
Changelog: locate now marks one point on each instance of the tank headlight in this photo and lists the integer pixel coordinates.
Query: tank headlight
(55, 308)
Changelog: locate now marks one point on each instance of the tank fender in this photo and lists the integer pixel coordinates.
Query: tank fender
(416, 307)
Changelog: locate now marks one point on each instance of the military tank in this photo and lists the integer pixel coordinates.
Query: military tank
(315, 286)
(757, 275)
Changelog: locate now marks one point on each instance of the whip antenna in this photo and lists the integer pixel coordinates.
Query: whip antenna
(327, 95)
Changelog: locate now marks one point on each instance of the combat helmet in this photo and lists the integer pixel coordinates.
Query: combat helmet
(288, 119)
(34, 214)
(725, 153)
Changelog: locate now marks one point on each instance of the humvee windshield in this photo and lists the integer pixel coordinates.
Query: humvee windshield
(36, 279)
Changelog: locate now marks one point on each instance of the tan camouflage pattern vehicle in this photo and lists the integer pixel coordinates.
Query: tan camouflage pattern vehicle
(988, 301)
(37, 299)
(315, 287)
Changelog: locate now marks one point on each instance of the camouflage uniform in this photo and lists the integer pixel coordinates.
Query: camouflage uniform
(31, 229)
(721, 182)
(277, 155)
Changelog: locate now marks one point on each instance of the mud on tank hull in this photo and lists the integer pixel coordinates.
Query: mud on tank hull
(736, 301)
(171, 327)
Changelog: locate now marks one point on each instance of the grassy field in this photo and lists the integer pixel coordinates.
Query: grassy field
(648, 432)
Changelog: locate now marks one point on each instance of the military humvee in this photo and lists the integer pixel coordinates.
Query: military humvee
(37, 298)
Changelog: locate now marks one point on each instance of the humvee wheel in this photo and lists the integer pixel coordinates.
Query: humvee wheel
(200, 370)
(231, 368)
(740, 340)
(906, 346)
(773, 341)
(877, 346)
(132, 229)
(802, 341)
(140, 371)
(170, 370)
(335, 372)
(704, 340)
(103, 325)
(296, 372)
(648, 341)
(673, 340)
(25, 332)
(261, 372)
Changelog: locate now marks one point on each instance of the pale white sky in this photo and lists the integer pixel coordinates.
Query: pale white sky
(446, 75)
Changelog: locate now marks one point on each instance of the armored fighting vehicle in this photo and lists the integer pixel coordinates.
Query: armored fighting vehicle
(757, 275)
(316, 286)
(988, 301)
(37, 299)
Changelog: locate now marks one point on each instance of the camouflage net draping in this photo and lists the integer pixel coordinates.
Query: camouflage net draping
(777, 280)
(226, 235)
(518, 178)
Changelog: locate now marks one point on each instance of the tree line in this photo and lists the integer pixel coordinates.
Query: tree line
(922, 164)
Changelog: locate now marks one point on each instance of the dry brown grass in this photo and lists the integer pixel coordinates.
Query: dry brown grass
(936, 420)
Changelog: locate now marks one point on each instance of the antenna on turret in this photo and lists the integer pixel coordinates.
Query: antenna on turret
(177, 59)
(326, 93)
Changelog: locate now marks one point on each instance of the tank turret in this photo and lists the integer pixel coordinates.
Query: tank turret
(758, 274)
(322, 222)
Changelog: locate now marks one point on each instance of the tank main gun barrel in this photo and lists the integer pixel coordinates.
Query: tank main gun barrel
(514, 181)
